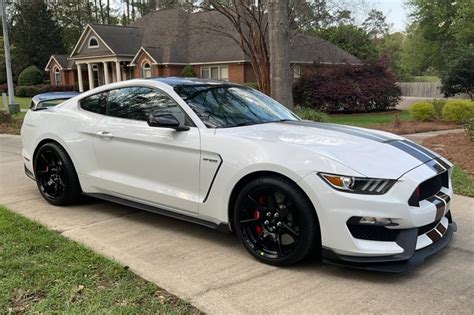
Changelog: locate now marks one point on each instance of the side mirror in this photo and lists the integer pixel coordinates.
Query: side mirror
(165, 121)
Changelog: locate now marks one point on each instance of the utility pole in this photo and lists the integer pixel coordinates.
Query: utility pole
(6, 43)
(279, 44)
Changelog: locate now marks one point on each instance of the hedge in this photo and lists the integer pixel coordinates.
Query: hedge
(30, 91)
(349, 88)
(458, 111)
(422, 111)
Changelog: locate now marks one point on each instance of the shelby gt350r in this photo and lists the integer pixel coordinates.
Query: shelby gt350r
(228, 157)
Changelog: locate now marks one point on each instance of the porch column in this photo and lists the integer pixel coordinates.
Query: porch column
(79, 78)
(114, 77)
(106, 72)
(118, 71)
(91, 76)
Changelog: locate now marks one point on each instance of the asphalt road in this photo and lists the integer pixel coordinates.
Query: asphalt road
(213, 271)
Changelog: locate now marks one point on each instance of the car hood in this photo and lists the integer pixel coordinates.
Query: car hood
(369, 152)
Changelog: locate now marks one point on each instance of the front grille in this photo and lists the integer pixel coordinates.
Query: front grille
(429, 188)
(373, 233)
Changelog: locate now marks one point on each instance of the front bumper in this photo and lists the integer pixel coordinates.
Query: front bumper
(410, 258)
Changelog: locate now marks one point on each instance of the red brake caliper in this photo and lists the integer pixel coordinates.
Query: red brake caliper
(256, 215)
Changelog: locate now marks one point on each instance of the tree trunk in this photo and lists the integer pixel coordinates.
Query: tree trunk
(279, 44)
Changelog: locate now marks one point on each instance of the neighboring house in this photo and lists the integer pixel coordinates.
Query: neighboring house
(163, 42)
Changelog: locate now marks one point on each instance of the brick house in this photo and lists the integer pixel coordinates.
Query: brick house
(163, 42)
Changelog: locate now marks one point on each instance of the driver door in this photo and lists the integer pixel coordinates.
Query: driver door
(152, 165)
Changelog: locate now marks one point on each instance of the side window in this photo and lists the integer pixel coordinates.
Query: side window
(96, 103)
(138, 103)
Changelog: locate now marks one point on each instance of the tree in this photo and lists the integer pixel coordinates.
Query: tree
(35, 34)
(279, 42)
(375, 24)
(458, 77)
(30, 76)
(352, 39)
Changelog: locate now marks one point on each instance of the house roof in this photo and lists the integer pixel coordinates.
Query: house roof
(63, 62)
(174, 36)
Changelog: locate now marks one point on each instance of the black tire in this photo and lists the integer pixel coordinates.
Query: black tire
(262, 231)
(55, 175)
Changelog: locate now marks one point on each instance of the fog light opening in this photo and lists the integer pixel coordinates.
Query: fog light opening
(376, 221)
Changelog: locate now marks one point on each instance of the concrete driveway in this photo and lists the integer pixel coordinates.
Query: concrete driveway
(213, 271)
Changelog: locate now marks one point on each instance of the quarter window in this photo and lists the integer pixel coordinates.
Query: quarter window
(96, 103)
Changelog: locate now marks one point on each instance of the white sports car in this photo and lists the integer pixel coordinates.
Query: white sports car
(228, 157)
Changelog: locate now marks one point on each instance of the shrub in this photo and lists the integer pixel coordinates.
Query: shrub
(458, 76)
(27, 91)
(5, 117)
(253, 85)
(188, 71)
(30, 76)
(4, 87)
(422, 111)
(348, 88)
(438, 106)
(458, 111)
(469, 128)
(311, 114)
(30, 91)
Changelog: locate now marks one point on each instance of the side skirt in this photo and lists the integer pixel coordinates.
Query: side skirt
(222, 227)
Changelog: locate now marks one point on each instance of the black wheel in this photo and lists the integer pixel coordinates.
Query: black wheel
(55, 175)
(276, 222)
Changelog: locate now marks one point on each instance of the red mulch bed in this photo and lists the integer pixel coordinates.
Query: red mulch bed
(456, 147)
(408, 127)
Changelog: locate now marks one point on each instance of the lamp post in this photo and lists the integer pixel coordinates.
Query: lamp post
(6, 44)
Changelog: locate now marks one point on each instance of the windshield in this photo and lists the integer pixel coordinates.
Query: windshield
(232, 106)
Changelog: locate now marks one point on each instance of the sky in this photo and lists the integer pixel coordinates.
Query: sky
(395, 11)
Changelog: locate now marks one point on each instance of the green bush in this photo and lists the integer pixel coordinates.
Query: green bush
(422, 111)
(31, 76)
(438, 106)
(469, 128)
(458, 111)
(253, 85)
(188, 71)
(307, 113)
(27, 91)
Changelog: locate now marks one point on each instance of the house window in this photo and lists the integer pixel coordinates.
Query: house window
(146, 70)
(57, 76)
(215, 73)
(93, 42)
(296, 72)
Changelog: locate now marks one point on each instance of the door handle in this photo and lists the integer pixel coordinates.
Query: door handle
(105, 134)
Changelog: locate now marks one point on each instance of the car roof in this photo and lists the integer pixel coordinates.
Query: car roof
(54, 96)
(180, 81)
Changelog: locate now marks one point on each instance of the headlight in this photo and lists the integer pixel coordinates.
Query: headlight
(358, 185)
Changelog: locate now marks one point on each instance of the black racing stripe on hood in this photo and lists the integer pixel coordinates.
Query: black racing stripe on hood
(410, 150)
(339, 128)
(420, 148)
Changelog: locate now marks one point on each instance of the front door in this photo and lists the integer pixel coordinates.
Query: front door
(153, 165)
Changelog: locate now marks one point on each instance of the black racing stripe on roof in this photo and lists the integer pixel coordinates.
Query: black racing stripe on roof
(338, 128)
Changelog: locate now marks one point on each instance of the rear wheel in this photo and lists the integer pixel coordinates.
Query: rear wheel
(275, 221)
(55, 175)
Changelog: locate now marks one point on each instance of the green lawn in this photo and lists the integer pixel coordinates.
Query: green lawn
(368, 119)
(23, 101)
(426, 78)
(463, 183)
(43, 272)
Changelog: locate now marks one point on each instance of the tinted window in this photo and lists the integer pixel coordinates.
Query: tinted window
(139, 102)
(95, 103)
(231, 106)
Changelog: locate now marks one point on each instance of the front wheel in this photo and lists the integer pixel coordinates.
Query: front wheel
(55, 175)
(276, 222)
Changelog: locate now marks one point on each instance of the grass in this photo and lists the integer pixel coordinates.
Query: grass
(463, 183)
(369, 119)
(426, 78)
(23, 101)
(43, 272)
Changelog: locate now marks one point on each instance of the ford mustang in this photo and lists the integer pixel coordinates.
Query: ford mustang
(231, 158)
